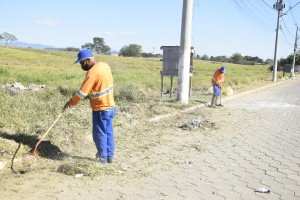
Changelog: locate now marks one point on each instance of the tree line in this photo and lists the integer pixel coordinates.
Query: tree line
(135, 50)
(237, 58)
(100, 47)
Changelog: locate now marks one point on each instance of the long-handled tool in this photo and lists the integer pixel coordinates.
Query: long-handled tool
(34, 149)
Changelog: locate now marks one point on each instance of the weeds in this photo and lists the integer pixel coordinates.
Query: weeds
(136, 80)
(137, 89)
(66, 91)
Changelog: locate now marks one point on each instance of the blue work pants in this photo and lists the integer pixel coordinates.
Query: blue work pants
(217, 90)
(103, 133)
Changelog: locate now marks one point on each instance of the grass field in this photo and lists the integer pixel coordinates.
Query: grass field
(137, 80)
(137, 85)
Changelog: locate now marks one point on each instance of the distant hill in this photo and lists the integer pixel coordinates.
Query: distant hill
(28, 45)
(40, 46)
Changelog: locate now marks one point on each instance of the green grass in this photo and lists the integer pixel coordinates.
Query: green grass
(137, 85)
(56, 69)
(136, 81)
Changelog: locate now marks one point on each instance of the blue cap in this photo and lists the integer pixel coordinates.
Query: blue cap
(223, 69)
(84, 54)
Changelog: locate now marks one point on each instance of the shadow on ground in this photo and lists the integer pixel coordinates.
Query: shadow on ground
(45, 148)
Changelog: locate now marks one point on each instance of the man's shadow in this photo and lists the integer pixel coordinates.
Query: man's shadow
(45, 148)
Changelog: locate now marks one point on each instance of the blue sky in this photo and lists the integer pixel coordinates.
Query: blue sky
(220, 27)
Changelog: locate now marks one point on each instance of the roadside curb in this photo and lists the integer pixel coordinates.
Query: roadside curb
(161, 117)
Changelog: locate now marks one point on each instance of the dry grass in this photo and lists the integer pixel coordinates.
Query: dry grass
(26, 115)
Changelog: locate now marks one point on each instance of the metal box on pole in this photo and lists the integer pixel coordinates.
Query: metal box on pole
(170, 60)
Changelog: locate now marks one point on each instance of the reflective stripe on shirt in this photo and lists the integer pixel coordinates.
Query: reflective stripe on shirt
(102, 93)
(81, 94)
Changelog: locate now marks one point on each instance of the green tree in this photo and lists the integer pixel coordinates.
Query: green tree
(147, 55)
(72, 49)
(254, 59)
(204, 57)
(219, 58)
(132, 50)
(283, 61)
(236, 58)
(98, 46)
(291, 57)
(287, 61)
(8, 38)
(89, 46)
(268, 61)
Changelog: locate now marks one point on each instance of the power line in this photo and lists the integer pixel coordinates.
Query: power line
(247, 9)
(293, 18)
(291, 8)
(285, 38)
(286, 27)
(267, 4)
(258, 10)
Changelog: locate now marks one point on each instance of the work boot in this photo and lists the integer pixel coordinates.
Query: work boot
(213, 102)
(110, 160)
(102, 160)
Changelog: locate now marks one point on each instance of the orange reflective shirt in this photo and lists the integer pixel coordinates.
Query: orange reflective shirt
(98, 87)
(218, 78)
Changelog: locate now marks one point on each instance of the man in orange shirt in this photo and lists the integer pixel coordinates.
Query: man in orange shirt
(217, 83)
(98, 87)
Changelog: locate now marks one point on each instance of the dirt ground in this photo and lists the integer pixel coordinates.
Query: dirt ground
(144, 145)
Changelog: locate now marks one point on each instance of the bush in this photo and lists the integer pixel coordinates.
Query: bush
(66, 91)
(129, 93)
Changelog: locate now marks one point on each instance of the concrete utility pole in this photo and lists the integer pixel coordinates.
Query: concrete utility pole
(294, 58)
(279, 5)
(185, 50)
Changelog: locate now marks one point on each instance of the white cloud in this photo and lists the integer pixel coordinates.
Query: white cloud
(122, 33)
(110, 33)
(46, 21)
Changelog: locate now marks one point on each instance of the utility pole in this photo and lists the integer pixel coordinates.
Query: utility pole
(185, 50)
(294, 58)
(279, 5)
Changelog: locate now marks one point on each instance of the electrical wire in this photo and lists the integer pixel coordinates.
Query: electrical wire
(249, 10)
(258, 10)
(286, 27)
(285, 38)
(291, 8)
(293, 18)
(267, 4)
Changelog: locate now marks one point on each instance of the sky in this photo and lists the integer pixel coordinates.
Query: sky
(219, 27)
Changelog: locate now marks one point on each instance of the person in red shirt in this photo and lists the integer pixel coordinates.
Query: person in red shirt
(98, 88)
(217, 83)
